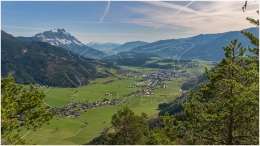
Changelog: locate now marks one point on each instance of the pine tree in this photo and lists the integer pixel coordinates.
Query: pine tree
(20, 109)
(129, 128)
(158, 138)
(226, 110)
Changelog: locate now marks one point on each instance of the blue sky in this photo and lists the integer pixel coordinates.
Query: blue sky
(118, 21)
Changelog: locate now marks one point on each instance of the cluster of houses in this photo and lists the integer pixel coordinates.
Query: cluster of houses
(164, 86)
(69, 110)
(129, 73)
(73, 109)
(37, 86)
(158, 75)
(148, 92)
(110, 94)
(192, 64)
(134, 86)
(161, 75)
(156, 79)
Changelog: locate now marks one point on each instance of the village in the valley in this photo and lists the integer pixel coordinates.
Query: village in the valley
(145, 86)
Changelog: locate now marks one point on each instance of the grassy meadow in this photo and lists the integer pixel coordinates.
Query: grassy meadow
(63, 130)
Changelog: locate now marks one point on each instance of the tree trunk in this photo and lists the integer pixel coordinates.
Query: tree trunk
(230, 128)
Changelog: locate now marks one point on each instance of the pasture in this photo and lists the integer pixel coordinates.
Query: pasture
(63, 130)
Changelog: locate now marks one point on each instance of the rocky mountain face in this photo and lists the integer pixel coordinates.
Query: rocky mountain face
(62, 38)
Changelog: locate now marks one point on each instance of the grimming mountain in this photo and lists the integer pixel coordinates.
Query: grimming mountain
(45, 64)
(105, 47)
(206, 47)
(61, 38)
(129, 45)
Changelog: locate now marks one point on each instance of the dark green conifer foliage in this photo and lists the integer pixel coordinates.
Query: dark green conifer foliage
(129, 128)
(20, 109)
(226, 110)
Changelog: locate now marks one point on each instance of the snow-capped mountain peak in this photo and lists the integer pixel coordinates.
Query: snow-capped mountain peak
(58, 37)
(98, 43)
(93, 43)
(103, 46)
(62, 38)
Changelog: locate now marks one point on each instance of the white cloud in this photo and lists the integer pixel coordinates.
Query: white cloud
(200, 17)
(173, 18)
(174, 15)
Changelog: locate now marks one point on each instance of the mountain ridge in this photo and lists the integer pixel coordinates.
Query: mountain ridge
(105, 47)
(129, 45)
(62, 38)
(206, 47)
(46, 64)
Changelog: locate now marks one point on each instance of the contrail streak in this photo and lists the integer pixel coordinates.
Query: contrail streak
(174, 15)
(106, 11)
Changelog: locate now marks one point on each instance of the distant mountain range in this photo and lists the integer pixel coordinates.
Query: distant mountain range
(61, 38)
(204, 46)
(46, 64)
(105, 47)
(129, 45)
(112, 48)
(54, 56)
(129, 58)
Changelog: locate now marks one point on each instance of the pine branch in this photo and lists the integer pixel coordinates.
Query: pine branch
(254, 40)
(208, 138)
(253, 21)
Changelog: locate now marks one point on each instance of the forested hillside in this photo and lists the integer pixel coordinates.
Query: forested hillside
(43, 63)
(204, 46)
